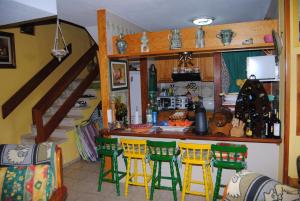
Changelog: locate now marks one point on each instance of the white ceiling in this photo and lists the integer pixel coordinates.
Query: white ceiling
(151, 15)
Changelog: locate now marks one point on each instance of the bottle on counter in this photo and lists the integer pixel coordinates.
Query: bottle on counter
(148, 114)
(136, 116)
(269, 126)
(248, 129)
(277, 127)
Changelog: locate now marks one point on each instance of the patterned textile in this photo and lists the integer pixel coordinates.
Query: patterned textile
(33, 182)
(23, 155)
(250, 186)
(85, 140)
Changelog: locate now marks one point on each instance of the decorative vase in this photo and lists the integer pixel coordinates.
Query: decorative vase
(144, 43)
(200, 38)
(226, 36)
(175, 39)
(121, 44)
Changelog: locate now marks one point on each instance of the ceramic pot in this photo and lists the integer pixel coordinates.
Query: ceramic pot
(226, 36)
(121, 44)
(175, 39)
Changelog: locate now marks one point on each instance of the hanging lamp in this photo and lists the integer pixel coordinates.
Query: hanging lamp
(56, 52)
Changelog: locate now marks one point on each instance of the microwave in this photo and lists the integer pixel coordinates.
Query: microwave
(166, 103)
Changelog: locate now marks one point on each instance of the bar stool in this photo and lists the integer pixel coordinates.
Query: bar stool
(159, 152)
(108, 147)
(227, 156)
(136, 150)
(199, 155)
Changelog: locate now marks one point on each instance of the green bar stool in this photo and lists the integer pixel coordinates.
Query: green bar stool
(227, 156)
(108, 147)
(159, 152)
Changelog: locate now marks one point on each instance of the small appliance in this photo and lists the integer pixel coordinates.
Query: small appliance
(166, 103)
(181, 102)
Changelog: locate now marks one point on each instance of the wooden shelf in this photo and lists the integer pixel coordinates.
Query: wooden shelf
(205, 50)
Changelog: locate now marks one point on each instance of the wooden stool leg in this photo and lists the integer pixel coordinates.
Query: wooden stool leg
(178, 175)
(135, 170)
(116, 173)
(211, 188)
(174, 181)
(190, 170)
(184, 181)
(101, 173)
(217, 184)
(159, 174)
(145, 178)
(153, 180)
(127, 175)
(205, 180)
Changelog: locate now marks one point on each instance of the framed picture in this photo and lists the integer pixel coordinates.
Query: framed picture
(7, 50)
(118, 75)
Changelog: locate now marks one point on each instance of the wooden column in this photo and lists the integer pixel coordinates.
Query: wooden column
(103, 64)
(217, 80)
(104, 74)
(287, 95)
(144, 86)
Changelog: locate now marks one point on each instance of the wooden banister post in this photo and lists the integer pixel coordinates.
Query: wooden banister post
(103, 64)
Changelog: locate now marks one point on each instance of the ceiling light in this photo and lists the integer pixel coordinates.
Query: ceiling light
(203, 20)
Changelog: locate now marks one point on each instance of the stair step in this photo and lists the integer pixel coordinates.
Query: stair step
(30, 139)
(60, 131)
(93, 92)
(67, 121)
(75, 111)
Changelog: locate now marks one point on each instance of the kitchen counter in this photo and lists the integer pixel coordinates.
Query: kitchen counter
(262, 153)
(188, 135)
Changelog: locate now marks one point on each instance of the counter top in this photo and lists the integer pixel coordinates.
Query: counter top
(187, 135)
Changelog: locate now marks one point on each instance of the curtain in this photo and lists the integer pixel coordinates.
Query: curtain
(236, 64)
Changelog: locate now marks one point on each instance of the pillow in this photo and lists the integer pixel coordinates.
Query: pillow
(34, 182)
(18, 154)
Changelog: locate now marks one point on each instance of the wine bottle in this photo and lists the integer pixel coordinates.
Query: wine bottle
(149, 114)
(277, 127)
(270, 131)
(248, 130)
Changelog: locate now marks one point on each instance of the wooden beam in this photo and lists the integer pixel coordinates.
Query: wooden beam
(217, 80)
(287, 90)
(103, 64)
(144, 87)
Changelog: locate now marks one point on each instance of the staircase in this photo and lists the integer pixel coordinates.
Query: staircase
(64, 134)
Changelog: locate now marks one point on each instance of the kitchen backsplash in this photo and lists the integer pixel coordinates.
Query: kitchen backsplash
(196, 88)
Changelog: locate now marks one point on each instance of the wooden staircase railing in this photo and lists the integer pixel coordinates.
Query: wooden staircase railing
(33, 83)
(44, 130)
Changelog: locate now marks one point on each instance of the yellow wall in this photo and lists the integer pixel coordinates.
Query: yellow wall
(294, 140)
(32, 53)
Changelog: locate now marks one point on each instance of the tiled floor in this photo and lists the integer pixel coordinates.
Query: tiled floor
(81, 180)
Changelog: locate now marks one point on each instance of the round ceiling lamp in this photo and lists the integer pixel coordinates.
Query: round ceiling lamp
(203, 20)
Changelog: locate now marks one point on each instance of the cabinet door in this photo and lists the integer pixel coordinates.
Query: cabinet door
(206, 66)
(164, 67)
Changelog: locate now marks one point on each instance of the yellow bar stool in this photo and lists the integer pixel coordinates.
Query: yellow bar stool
(196, 155)
(136, 150)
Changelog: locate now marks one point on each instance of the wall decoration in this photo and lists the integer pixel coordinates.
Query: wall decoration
(118, 75)
(7, 50)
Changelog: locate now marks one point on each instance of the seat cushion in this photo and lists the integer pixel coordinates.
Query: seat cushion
(34, 182)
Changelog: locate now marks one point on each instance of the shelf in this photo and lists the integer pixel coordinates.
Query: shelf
(257, 46)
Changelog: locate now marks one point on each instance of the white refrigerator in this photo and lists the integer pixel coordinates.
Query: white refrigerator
(135, 97)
